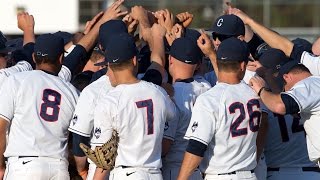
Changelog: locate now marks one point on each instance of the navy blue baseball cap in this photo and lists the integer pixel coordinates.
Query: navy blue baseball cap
(186, 50)
(122, 48)
(49, 45)
(287, 67)
(192, 34)
(302, 43)
(108, 29)
(230, 25)
(3, 47)
(233, 49)
(64, 35)
(273, 59)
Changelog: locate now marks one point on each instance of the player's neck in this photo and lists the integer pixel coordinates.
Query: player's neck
(181, 74)
(229, 78)
(48, 68)
(126, 78)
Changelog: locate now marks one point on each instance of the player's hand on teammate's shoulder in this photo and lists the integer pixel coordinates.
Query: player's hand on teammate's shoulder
(25, 21)
(205, 44)
(257, 83)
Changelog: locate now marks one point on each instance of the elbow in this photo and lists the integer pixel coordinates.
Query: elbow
(316, 50)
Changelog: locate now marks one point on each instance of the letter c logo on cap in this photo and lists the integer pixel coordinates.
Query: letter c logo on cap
(219, 23)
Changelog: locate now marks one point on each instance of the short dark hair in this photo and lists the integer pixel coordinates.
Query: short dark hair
(45, 59)
(95, 56)
(228, 66)
(122, 65)
(299, 68)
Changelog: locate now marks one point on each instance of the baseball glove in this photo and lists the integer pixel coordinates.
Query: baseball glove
(103, 156)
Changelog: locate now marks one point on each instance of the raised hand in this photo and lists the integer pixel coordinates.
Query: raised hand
(131, 23)
(257, 83)
(205, 44)
(185, 18)
(113, 11)
(166, 19)
(25, 21)
(92, 22)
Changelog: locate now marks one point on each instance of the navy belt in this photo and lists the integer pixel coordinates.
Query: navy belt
(234, 172)
(313, 169)
(26, 156)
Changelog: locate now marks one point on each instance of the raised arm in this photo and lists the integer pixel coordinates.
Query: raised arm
(316, 47)
(270, 37)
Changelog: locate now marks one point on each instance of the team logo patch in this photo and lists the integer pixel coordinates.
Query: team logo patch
(194, 126)
(166, 126)
(74, 119)
(97, 132)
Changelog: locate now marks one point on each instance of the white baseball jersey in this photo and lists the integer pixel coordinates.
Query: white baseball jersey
(286, 142)
(39, 107)
(226, 119)
(248, 75)
(138, 113)
(19, 67)
(312, 62)
(202, 80)
(185, 95)
(306, 94)
(82, 121)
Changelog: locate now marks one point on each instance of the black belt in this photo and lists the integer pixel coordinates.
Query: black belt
(26, 156)
(125, 167)
(314, 169)
(234, 172)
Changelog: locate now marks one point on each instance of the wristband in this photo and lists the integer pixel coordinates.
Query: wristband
(259, 93)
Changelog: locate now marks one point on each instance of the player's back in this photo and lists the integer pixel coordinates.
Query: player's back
(286, 142)
(236, 114)
(43, 107)
(185, 96)
(138, 113)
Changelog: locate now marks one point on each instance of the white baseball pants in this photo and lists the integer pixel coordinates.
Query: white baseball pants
(36, 168)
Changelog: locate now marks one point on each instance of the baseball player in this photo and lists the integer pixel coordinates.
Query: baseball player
(225, 120)
(38, 106)
(298, 97)
(184, 57)
(137, 110)
(273, 39)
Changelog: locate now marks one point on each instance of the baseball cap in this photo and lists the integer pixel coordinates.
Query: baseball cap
(3, 47)
(233, 49)
(302, 43)
(273, 59)
(230, 25)
(122, 48)
(192, 34)
(108, 29)
(186, 50)
(287, 67)
(49, 45)
(64, 35)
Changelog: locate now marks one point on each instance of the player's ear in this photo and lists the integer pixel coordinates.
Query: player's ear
(33, 58)
(61, 58)
(134, 61)
(170, 59)
(243, 66)
(287, 77)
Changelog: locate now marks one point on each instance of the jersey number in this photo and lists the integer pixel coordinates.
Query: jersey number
(295, 127)
(51, 101)
(149, 105)
(234, 128)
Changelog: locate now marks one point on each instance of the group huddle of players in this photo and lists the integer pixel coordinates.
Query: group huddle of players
(238, 101)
